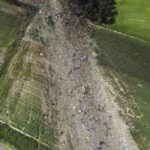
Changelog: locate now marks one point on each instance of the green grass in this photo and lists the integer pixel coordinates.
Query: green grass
(8, 25)
(127, 59)
(21, 143)
(134, 18)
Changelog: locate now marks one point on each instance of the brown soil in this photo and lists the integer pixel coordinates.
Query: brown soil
(3, 147)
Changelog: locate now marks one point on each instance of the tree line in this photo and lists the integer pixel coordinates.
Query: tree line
(102, 11)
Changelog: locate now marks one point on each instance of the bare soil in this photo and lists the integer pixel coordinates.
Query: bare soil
(3, 147)
(87, 115)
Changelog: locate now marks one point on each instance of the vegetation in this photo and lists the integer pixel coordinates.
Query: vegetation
(126, 63)
(20, 141)
(133, 18)
(22, 94)
(103, 11)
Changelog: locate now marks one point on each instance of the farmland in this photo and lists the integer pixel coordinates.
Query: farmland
(133, 18)
(126, 62)
(23, 85)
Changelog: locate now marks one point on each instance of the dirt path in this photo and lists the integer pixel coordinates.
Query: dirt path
(87, 114)
(3, 147)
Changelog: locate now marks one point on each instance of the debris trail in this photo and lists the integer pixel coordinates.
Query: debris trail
(87, 114)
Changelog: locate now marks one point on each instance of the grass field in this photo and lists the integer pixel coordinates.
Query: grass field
(134, 18)
(126, 65)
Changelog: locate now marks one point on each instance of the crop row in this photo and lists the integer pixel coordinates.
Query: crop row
(22, 106)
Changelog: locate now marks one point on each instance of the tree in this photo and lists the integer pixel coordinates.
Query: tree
(103, 11)
(107, 11)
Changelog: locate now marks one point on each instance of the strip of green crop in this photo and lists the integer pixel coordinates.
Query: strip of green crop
(20, 140)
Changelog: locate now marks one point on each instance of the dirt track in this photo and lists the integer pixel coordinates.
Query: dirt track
(87, 114)
(3, 147)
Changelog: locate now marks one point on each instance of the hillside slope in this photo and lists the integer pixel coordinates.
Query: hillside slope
(125, 62)
(87, 114)
(53, 94)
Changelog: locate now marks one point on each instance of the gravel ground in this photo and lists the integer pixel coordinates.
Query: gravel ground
(88, 116)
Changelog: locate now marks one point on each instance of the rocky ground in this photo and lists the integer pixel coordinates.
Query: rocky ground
(88, 116)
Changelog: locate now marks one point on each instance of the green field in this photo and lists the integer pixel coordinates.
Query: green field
(134, 18)
(126, 65)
